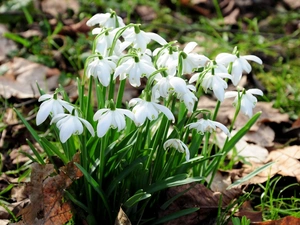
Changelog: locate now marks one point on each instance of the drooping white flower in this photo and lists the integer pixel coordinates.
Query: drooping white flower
(189, 99)
(143, 109)
(213, 80)
(51, 106)
(248, 101)
(108, 118)
(167, 58)
(191, 61)
(135, 68)
(204, 125)
(140, 39)
(239, 64)
(108, 20)
(101, 68)
(70, 125)
(179, 146)
(104, 42)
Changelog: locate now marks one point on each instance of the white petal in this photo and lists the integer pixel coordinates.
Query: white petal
(222, 127)
(127, 113)
(255, 91)
(231, 94)
(190, 47)
(99, 113)
(66, 130)
(156, 38)
(104, 124)
(253, 58)
(165, 111)
(237, 72)
(43, 113)
(44, 97)
(88, 126)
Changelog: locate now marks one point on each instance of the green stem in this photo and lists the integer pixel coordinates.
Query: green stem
(120, 93)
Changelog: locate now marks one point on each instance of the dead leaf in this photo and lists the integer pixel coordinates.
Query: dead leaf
(247, 210)
(6, 45)
(250, 152)
(288, 220)
(220, 181)
(59, 7)
(21, 77)
(197, 195)
(46, 191)
(146, 12)
(263, 137)
(122, 218)
(292, 3)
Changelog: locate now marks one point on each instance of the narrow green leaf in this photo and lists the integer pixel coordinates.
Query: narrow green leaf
(138, 196)
(175, 215)
(179, 179)
(96, 187)
(17, 38)
(76, 202)
(250, 175)
(232, 142)
(36, 153)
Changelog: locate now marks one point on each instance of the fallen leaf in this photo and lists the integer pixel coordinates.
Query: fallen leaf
(288, 220)
(197, 195)
(21, 77)
(250, 152)
(46, 191)
(247, 210)
(59, 7)
(292, 3)
(220, 181)
(122, 218)
(6, 45)
(263, 137)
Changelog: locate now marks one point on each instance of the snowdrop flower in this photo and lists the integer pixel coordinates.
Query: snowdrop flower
(239, 64)
(51, 106)
(165, 85)
(213, 80)
(104, 42)
(191, 61)
(139, 39)
(188, 98)
(135, 67)
(167, 58)
(143, 109)
(70, 124)
(109, 118)
(204, 125)
(101, 68)
(108, 20)
(179, 146)
(248, 101)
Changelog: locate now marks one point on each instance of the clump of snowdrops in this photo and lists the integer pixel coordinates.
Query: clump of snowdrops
(132, 151)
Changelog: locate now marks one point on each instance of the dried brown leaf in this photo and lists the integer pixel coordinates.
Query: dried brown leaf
(288, 220)
(46, 191)
(122, 218)
(6, 45)
(59, 7)
(21, 77)
(197, 195)
(247, 210)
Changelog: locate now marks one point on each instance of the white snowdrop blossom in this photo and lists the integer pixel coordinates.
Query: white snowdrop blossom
(104, 42)
(135, 68)
(188, 98)
(140, 39)
(167, 59)
(51, 106)
(239, 64)
(107, 20)
(143, 109)
(108, 118)
(191, 61)
(179, 146)
(101, 68)
(248, 101)
(204, 125)
(70, 124)
(213, 80)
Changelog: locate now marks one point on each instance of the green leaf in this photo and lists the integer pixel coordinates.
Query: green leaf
(241, 133)
(17, 38)
(250, 175)
(36, 153)
(96, 187)
(175, 215)
(138, 196)
(179, 179)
